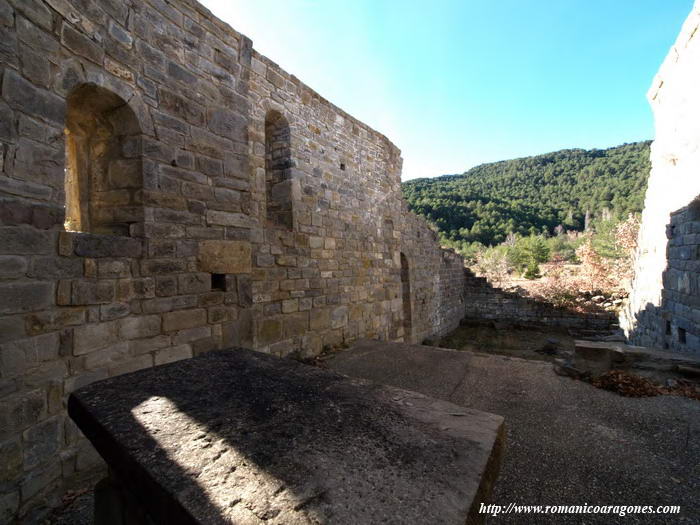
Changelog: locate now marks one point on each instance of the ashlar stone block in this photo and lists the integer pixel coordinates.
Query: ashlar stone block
(225, 256)
(92, 337)
(26, 296)
(183, 319)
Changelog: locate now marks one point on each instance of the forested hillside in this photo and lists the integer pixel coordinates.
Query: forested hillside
(533, 195)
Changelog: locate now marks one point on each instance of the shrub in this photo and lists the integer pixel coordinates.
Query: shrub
(493, 264)
(560, 287)
(532, 271)
(527, 253)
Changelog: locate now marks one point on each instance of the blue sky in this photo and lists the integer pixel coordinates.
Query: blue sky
(458, 83)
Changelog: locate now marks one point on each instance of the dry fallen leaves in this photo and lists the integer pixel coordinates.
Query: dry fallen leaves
(631, 385)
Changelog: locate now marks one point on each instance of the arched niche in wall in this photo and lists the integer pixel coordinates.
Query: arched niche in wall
(104, 175)
(279, 192)
(388, 228)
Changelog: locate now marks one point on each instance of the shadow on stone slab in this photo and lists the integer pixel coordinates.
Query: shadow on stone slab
(238, 436)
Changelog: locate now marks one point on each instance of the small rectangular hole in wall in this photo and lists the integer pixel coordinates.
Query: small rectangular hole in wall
(668, 327)
(342, 166)
(681, 336)
(218, 281)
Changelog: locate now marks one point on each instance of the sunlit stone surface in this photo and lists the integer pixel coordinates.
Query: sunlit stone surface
(664, 309)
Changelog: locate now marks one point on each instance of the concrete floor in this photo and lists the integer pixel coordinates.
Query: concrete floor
(568, 443)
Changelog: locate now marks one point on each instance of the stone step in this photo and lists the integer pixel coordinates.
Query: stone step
(598, 357)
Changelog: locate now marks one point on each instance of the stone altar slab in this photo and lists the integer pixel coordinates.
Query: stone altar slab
(241, 437)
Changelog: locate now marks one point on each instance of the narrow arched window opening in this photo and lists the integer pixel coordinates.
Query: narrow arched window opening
(278, 164)
(406, 297)
(103, 176)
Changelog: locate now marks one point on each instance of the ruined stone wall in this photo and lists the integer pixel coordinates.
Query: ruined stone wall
(489, 303)
(664, 309)
(212, 199)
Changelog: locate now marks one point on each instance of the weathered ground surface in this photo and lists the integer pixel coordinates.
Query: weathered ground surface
(544, 343)
(567, 442)
(527, 343)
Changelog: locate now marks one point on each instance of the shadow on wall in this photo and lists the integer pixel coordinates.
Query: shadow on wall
(675, 324)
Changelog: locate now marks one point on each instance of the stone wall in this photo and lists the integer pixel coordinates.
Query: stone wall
(329, 270)
(489, 303)
(164, 191)
(664, 306)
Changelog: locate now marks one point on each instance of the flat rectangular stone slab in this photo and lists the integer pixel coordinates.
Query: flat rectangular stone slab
(640, 353)
(241, 437)
(598, 357)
